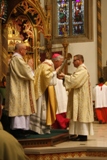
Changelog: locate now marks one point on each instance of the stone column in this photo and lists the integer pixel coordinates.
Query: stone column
(4, 49)
(99, 39)
(0, 49)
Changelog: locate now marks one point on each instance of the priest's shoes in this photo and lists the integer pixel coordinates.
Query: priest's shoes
(79, 138)
(20, 134)
(72, 136)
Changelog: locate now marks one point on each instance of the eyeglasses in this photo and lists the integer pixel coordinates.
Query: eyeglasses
(75, 60)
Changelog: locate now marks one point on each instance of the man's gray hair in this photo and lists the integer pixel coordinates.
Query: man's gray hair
(18, 46)
(57, 58)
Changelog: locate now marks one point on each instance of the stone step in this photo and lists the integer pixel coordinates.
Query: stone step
(86, 158)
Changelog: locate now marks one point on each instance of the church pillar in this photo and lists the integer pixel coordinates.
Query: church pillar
(4, 50)
(0, 48)
(48, 7)
(99, 39)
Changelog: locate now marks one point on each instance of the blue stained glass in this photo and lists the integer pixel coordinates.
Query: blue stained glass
(77, 17)
(63, 14)
(63, 17)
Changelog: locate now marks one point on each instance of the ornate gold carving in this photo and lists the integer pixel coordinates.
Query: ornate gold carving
(42, 20)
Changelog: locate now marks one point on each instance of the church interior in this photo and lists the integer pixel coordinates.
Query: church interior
(58, 26)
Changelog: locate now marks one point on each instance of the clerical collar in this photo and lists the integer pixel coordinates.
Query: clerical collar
(17, 54)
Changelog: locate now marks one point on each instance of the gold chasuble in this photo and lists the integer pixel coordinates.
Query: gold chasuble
(52, 103)
(20, 96)
(43, 76)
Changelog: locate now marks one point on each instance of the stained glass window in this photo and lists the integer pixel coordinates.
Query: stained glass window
(63, 16)
(77, 15)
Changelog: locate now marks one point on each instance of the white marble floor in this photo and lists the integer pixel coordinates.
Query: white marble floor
(98, 142)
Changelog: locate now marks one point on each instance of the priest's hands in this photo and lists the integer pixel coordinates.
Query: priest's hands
(57, 69)
(61, 75)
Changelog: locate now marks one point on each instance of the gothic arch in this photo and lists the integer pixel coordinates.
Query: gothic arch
(40, 19)
(35, 18)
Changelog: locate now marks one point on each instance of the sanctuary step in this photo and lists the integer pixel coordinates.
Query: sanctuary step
(87, 158)
(36, 140)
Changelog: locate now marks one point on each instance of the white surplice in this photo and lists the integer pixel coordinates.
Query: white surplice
(61, 95)
(100, 96)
